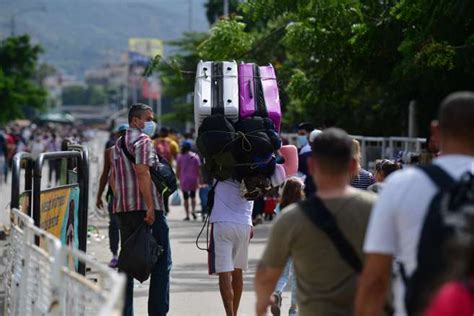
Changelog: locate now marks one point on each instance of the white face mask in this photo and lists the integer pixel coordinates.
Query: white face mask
(302, 140)
(149, 128)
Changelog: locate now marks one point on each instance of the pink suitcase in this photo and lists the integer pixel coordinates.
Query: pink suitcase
(258, 91)
(270, 94)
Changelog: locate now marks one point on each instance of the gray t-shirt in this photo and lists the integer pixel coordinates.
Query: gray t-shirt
(326, 284)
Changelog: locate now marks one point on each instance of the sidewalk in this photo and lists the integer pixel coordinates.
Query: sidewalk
(193, 291)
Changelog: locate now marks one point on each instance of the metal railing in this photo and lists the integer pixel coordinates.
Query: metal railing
(373, 148)
(40, 280)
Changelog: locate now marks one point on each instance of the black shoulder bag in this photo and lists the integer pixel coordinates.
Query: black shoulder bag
(324, 220)
(162, 173)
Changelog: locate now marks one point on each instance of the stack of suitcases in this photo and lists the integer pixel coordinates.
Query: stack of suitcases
(238, 116)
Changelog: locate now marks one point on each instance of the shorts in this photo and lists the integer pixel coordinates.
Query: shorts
(229, 247)
(189, 194)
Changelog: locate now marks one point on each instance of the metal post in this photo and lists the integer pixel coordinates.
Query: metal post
(190, 16)
(150, 100)
(412, 119)
(159, 110)
(226, 8)
(12, 26)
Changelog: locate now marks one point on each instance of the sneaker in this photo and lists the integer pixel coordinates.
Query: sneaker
(113, 263)
(292, 312)
(186, 219)
(194, 216)
(276, 304)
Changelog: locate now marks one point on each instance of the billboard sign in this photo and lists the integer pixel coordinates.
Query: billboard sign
(148, 47)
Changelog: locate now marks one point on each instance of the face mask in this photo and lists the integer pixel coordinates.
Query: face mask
(302, 140)
(149, 128)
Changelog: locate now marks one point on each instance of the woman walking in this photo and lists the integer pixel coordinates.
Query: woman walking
(188, 172)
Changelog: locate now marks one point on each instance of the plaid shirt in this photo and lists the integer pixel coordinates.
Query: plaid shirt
(127, 196)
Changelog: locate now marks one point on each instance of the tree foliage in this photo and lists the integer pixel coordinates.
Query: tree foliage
(177, 75)
(80, 95)
(18, 60)
(215, 9)
(353, 63)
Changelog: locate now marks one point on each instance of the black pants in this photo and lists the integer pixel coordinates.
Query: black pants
(166, 202)
(114, 235)
(159, 291)
(54, 167)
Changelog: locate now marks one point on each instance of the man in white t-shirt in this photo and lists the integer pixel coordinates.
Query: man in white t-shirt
(398, 216)
(231, 220)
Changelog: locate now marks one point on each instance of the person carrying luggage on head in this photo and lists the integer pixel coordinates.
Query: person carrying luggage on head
(231, 220)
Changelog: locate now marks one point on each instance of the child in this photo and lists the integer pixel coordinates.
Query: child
(293, 192)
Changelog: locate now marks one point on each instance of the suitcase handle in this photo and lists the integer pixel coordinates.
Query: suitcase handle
(250, 85)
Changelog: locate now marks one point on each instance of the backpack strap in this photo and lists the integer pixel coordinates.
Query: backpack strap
(323, 219)
(439, 176)
(124, 148)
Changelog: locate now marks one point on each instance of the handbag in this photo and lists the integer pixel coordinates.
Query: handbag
(175, 199)
(139, 253)
(161, 173)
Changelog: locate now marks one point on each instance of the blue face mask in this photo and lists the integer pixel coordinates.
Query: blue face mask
(302, 140)
(149, 128)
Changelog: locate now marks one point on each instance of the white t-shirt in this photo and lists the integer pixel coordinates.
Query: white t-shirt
(398, 215)
(229, 206)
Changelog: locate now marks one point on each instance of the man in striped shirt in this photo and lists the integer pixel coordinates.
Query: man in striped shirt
(136, 200)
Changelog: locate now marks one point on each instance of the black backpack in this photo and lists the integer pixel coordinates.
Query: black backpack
(162, 173)
(451, 207)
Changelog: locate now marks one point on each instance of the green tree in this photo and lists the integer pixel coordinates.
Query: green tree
(356, 63)
(215, 9)
(18, 60)
(96, 95)
(74, 95)
(177, 75)
(80, 95)
(44, 71)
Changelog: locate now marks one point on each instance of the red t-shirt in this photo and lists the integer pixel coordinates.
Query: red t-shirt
(453, 299)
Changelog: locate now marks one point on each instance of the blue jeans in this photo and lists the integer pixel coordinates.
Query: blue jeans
(159, 291)
(287, 275)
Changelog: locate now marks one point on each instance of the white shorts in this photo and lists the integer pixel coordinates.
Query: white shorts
(229, 247)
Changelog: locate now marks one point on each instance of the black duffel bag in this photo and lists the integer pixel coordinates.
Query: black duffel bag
(139, 253)
(162, 173)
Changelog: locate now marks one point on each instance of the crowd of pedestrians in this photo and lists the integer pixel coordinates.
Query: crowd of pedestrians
(35, 139)
(343, 236)
(356, 253)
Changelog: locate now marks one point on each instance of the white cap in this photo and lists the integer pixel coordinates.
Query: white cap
(313, 135)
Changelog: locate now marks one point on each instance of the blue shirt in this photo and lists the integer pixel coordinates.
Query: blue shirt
(363, 180)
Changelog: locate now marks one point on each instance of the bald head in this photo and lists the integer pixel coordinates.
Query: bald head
(456, 118)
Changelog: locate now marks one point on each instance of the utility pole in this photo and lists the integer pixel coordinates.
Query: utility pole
(13, 17)
(412, 128)
(190, 16)
(226, 8)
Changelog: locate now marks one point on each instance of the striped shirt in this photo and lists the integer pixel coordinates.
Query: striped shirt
(127, 192)
(363, 180)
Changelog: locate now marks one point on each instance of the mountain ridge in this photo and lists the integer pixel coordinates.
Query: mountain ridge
(87, 33)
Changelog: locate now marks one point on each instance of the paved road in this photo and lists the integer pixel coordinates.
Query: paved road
(193, 291)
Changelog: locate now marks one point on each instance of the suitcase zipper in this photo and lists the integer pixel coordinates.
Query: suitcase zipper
(260, 107)
(217, 88)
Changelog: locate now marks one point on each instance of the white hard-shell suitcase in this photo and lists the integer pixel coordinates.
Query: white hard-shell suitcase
(216, 91)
